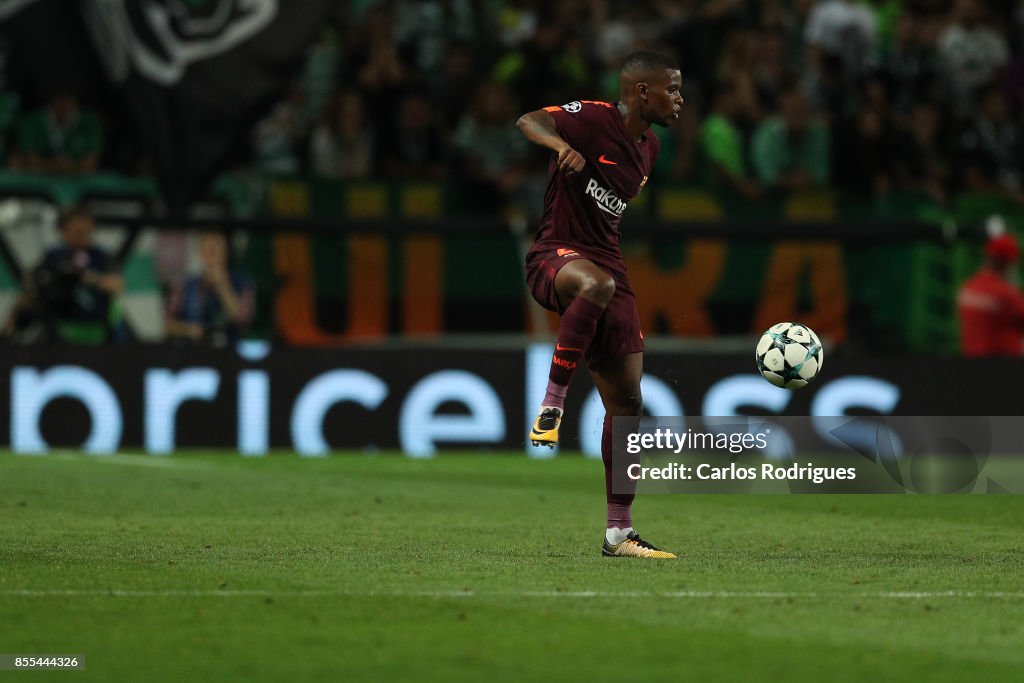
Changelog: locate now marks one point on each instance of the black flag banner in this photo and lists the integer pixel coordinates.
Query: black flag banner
(9, 8)
(193, 74)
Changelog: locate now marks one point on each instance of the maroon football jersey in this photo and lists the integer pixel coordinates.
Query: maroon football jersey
(584, 209)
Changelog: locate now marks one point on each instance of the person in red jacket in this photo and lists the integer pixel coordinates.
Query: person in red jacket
(991, 305)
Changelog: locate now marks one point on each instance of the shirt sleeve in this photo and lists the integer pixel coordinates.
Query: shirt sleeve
(1013, 300)
(572, 120)
(719, 143)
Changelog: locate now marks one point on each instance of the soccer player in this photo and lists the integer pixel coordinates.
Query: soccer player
(603, 153)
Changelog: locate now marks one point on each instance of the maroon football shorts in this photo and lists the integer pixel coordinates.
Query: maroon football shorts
(618, 329)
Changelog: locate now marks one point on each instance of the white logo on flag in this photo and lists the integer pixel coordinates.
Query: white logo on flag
(163, 37)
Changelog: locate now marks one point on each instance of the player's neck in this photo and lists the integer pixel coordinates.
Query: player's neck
(635, 125)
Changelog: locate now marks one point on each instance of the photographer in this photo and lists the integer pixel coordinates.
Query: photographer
(70, 293)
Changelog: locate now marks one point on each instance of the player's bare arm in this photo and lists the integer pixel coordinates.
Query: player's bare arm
(539, 128)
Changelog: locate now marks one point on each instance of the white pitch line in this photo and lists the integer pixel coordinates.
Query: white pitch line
(231, 593)
(130, 460)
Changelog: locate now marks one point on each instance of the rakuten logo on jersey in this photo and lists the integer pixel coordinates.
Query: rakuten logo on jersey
(607, 200)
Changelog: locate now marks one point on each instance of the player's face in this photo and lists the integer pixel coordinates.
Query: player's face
(663, 97)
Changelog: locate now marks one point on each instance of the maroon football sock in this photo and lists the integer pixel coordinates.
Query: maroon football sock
(620, 505)
(575, 331)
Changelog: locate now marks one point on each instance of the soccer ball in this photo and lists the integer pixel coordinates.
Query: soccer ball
(789, 355)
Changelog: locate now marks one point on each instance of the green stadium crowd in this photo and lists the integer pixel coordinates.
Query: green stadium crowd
(867, 96)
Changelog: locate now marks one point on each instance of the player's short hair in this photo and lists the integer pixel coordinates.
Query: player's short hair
(644, 62)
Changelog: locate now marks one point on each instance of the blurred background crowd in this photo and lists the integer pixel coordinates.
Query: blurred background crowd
(870, 96)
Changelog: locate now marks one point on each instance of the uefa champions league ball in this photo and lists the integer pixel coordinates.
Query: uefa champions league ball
(789, 355)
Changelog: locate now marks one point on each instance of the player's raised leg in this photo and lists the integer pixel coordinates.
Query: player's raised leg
(618, 382)
(584, 291)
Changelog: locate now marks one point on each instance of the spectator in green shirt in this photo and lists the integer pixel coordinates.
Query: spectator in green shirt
(721, 144)
(60, 138)
(791, 149)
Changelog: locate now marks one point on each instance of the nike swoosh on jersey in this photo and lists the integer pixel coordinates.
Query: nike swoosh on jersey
(603, 160)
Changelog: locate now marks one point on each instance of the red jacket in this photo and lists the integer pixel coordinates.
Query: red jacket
(991, 316)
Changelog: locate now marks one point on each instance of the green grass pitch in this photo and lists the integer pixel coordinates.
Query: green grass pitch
(214, 567)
